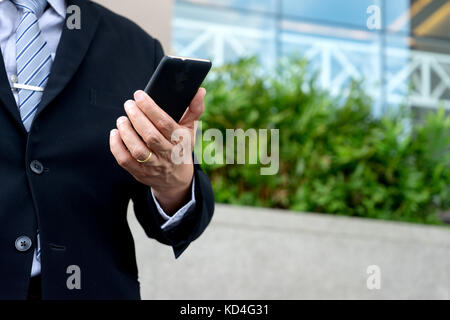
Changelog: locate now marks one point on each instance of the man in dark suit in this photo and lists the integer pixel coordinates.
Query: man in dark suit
(66, 178)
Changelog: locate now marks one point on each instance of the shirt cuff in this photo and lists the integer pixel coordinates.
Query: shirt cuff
(179, 215)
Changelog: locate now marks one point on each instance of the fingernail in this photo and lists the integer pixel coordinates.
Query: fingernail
(139, 95)
(114, 132)
(129, 107)
(121, 120)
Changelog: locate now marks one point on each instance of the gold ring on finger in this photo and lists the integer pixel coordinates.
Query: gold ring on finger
(146, 160)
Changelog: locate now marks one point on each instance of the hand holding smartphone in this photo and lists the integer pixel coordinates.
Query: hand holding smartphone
(175, 83)
(142, 139)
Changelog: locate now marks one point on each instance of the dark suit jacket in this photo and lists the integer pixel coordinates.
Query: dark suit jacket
(79, 202)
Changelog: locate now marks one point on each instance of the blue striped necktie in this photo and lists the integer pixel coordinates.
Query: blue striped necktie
(33, 58)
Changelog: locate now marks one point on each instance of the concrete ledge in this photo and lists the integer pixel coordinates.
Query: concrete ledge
(250, 253)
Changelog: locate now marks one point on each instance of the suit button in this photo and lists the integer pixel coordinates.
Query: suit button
(36, 167)
(23, 243)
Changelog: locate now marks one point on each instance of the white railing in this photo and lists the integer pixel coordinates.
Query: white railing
(415, 78)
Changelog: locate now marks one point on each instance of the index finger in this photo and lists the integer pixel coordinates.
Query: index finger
(162, 121)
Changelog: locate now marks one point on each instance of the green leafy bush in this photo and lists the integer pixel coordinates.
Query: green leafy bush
(335, 157)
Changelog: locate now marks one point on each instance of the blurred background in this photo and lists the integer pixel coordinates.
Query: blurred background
(363, 108)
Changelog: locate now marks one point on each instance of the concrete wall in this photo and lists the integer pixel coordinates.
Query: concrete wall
(154, 16)
(268, 254)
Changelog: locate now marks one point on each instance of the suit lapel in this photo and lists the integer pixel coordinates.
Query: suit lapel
(7, 97)
(71, 51)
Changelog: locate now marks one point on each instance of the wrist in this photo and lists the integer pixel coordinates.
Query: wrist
(174, 198)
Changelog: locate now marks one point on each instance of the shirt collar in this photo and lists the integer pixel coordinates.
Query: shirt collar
(59, 6)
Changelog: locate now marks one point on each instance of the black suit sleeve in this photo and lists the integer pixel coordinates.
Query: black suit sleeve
(195, 220)
(193, 223)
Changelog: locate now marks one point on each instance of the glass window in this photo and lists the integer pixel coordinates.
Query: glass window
(220, 35)
(352, 13)
(433, 20)
(397, 16)
(254, 5)
(407, 61)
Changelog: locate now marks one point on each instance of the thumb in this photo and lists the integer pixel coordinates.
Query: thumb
(195, 110)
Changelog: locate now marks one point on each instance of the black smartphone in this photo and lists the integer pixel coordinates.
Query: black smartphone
(175, 82)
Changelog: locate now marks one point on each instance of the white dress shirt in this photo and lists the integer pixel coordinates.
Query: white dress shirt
(51, 24)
